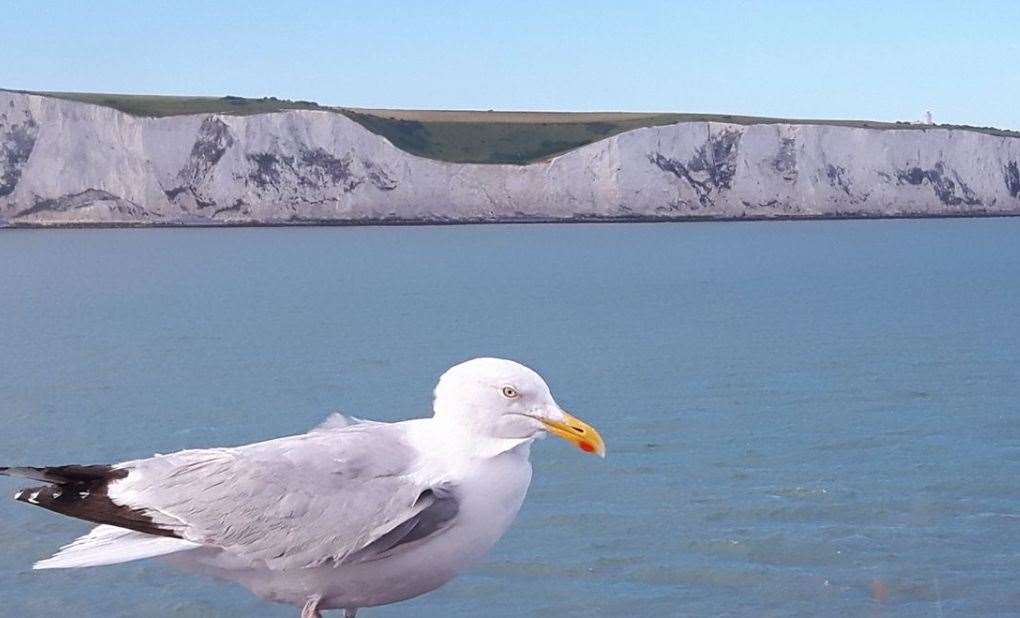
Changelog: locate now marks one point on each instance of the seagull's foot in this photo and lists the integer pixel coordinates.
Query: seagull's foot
(349, 613)
(311, 608)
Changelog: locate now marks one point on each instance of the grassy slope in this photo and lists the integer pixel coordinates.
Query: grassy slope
(475, 137)
(466, 136)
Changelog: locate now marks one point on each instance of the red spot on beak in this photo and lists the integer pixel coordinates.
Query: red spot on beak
(586, 447)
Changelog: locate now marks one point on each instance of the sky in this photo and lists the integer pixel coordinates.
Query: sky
(869, 60)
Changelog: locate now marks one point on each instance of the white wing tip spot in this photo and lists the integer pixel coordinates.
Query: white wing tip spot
(18, 495)
(83, 494)
(34, 498)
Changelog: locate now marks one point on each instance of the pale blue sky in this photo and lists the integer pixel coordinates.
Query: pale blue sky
(876, 60)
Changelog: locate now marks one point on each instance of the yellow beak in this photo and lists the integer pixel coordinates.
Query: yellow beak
(578, 432)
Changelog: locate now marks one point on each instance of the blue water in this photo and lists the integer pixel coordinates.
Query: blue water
(803, 418)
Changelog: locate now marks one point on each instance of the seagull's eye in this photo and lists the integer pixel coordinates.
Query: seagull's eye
(510, 392)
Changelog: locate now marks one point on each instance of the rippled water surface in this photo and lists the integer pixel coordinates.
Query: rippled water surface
(803, 418)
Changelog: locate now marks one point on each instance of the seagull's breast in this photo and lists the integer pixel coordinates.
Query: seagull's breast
(489, 495)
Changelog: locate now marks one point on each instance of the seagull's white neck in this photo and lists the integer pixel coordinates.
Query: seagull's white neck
(464, 440)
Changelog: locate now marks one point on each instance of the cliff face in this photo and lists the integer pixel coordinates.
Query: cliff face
(63, 162)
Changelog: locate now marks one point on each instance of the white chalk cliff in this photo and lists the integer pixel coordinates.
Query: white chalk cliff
(63, 162)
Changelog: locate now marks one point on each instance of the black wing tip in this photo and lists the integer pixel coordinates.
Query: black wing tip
(62, 475)
(81, 492)
(32, 495)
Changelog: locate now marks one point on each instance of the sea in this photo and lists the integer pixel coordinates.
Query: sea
(803, 418)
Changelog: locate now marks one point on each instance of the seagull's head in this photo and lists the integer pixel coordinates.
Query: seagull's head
(500, 399)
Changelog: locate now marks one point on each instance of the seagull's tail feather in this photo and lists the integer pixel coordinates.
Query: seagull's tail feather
(112, 545)
(80, 491)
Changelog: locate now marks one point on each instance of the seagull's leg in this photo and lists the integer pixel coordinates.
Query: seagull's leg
(311, 608)
(350, 612)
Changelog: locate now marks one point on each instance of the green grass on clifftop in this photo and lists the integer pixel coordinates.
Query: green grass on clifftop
(153, 105)
(468, 136)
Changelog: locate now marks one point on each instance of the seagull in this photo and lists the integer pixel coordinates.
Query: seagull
(352, 514)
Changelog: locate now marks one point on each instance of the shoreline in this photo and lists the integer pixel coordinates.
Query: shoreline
(513, 221)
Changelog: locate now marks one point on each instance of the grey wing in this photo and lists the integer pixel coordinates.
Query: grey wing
(326, 497)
